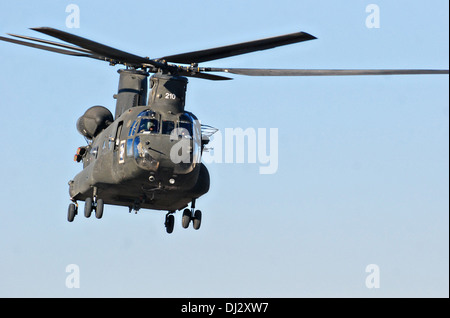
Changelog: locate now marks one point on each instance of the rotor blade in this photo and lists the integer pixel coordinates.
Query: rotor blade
(237, 49)
(206, 76)
(186, 71)
(51, 42)
(101, 49)
(290, 72)
(43, 47)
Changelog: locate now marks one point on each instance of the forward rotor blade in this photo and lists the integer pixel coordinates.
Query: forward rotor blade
(98, 48)
(290, 72)
(237, 49)
(47, 48)
(72, 47)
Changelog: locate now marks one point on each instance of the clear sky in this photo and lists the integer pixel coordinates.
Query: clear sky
(363, 162)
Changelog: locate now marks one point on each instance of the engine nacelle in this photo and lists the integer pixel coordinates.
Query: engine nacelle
(94, 120)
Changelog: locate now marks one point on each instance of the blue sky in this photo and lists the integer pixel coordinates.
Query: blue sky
(363, 161)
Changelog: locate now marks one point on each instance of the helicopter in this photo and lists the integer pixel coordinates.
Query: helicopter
(148, 155)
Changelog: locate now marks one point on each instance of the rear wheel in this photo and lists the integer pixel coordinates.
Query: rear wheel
(87, 207)
(99, 209)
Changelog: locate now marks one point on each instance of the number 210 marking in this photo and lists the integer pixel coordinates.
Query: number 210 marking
(170, 96)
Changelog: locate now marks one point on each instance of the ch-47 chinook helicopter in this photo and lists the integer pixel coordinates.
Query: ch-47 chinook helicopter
(149, 154)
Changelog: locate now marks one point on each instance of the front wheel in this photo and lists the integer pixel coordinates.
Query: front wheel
(197, 219)
(170, 221)
(187, 215)
(71, 212)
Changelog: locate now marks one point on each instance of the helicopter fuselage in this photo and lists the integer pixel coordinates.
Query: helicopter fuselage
(144, 159)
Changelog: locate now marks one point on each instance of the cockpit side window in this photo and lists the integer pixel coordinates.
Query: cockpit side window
(186, 122)
(148, 125)
(186, 129)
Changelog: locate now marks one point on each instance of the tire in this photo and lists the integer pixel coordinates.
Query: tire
(187, 215)
(87, 207)
(71, 212)
(99, 209)
(170, 221)
(197, 219)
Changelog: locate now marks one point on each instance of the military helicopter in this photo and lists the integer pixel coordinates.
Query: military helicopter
(149, 154)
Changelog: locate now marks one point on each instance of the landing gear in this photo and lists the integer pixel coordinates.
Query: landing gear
(197, 219)
(190, 215)
(93, 204)
(90, 204)
(99, 209)
(73, 210)
(170, 221)
(187, 215)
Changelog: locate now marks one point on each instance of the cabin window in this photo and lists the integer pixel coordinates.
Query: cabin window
(94, 152)
(118, 132)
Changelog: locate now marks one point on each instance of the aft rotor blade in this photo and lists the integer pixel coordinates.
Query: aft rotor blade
(98, 48)
(206, 76)
(47, 48)
(237, 49)
(186, 71)
(330, 72)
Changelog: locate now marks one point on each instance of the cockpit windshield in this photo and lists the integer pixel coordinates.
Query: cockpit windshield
(167, 127)
(148, 125)
(180, 136)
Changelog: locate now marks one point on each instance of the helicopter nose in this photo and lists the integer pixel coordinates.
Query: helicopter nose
(147, 162)
(143, 154)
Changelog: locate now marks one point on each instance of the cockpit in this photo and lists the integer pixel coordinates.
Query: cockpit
(181, 132)
(149, 122)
